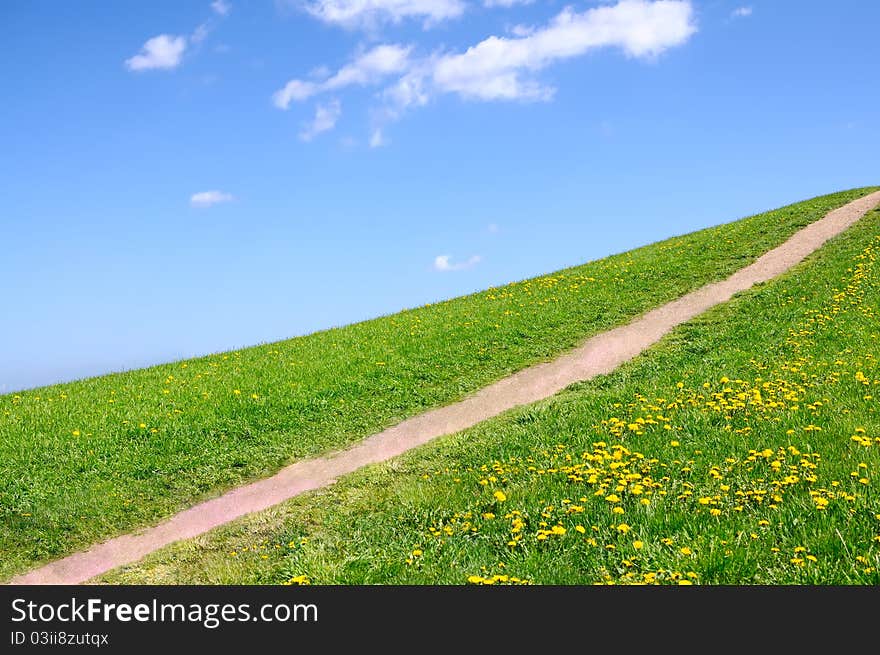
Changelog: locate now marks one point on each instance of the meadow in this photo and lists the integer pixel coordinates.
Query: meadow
(88, 460)
(744, 448)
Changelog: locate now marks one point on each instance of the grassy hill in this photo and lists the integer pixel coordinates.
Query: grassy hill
(84, 461)
(743, 448)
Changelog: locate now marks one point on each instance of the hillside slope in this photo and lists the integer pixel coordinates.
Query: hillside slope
(742, 449)
(87, 460)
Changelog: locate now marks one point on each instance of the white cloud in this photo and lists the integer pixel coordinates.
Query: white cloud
(443, 264)
(504, 67)
(166, 51)
(741, 12)
(371, 13)
(209, 198)
(325, 120)
(162, 52)
(368, 68)
(498, 68)
(493, 228)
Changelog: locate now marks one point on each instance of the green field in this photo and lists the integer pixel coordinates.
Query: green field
(743, 448)
(84, 461)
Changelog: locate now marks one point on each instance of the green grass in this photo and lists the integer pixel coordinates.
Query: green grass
(743, 448)
(84, 461)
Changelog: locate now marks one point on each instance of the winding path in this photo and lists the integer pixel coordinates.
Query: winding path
(600, 354)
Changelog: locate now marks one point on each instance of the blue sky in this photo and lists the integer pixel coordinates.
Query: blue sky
(181, 178)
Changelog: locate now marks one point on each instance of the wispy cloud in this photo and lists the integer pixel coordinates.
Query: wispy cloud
(377, 138)
(369, 14)
(370, 67)
(325, 120)
(220, 7)
(444, 264)
(204, 199)
(200, 33)
(161, 52)
(741, 12)
(493, 228)
(522, 30)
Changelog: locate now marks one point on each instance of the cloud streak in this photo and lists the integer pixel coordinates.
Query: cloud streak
(444, 263)
(204, 199)
(505, 3)
(368, 68)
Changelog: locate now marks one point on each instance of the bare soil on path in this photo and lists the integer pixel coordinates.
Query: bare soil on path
(598, 355)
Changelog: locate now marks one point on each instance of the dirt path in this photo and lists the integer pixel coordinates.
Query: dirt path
(600, 354)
